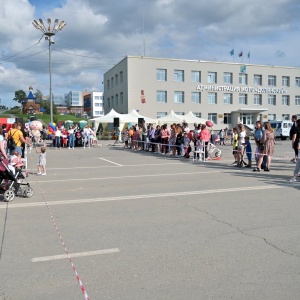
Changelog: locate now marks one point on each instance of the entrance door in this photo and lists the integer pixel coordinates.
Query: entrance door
(248, 119)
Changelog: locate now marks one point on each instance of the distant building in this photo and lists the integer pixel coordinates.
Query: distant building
(74, 101)
(93, 104)
(31, 105)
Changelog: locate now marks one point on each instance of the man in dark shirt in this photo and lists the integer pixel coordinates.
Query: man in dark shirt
(296, 142)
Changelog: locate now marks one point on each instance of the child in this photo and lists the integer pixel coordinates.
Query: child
(235, 146)
(15, 161)
(248, 151)
(42, 160)
(186, 145)
(199, 147)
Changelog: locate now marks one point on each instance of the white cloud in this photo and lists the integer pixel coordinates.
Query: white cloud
(100, 33)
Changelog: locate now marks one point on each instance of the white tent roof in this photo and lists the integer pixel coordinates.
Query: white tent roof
(172, 117)
(136, 115)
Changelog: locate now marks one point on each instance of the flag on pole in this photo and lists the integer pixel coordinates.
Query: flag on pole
(241, 54)
(249, 54)
(232, 52)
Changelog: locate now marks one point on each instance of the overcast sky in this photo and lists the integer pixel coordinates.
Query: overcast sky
(99, 33)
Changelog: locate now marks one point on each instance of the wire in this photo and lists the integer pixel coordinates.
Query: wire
(22, 51)
(86, 55)
(4, 227)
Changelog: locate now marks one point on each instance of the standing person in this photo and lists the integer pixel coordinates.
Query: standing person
(296, 142)
(86, 135)
(42, 160)
(165, 136)
(242, 134)
(179, 140)
(221, 135)
(248, 150)
(266, 147)
(71, 134)
(18, 138)
(235, 145)
(205, 138)
(4, 131)
(294, 137)
(157, 136)
(173, 139)
(58, 135)
(258, 134)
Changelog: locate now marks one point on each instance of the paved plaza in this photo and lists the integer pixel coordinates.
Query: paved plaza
(141, 226)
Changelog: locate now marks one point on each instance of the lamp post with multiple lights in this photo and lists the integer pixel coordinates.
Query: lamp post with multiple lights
(49, 32)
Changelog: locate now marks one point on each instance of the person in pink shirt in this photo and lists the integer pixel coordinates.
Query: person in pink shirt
(205, 137)
(165, 136)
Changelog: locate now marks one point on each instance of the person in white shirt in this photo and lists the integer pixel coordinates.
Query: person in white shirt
(71, 137)
(57, 138)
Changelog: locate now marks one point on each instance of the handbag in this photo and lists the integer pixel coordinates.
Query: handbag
(261, 147)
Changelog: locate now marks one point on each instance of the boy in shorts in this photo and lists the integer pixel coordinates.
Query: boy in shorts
(235, 143)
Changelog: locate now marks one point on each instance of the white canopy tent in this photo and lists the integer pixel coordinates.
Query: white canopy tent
(172, 117)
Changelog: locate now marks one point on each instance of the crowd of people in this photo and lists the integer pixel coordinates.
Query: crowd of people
(180, 140)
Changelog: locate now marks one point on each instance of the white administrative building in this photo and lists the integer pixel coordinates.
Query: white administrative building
(225, 93)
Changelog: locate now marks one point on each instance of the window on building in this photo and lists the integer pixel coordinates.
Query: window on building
(285, 100)
(116, 79)
(257, 79)
(196, 97)
(212, 117)
(117, 99)
(179, 75)
(271, 99)
(227, 98)
(107, 84)
(285, 81)
(112, 101)
(108, 102)
(257, 99)
(97, 104)
(112, 82)
(272, 80)
(161, 74)
(121, 77)
(196, 76)
(161, 114)
(97, 98)
(297, 100)
(212, 98)
(161, 96)
(227, 118)
(178, 97)
(243, 78)
(180, 113)
(97, 113)
(297, 81)
(243, 99)
(285, 117)
(228, 77)
(121, 97)
(197, 114)
(212, 77)
(271, 117)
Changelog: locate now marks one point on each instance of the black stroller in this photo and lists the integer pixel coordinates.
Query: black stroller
(11, 184)
(78, 139)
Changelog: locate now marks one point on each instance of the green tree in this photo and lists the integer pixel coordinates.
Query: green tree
(20, 96)
(38, 95)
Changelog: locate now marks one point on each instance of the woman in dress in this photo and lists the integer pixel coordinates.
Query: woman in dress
(266, 147)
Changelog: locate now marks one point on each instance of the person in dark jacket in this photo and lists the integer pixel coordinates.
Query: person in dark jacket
(296, 142)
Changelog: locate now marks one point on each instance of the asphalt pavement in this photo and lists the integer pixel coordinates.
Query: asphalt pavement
(112, 223)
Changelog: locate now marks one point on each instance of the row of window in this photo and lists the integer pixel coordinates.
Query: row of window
(115, 100)
(212, 77)
(115, 80)
(161, 97)
(226, 117)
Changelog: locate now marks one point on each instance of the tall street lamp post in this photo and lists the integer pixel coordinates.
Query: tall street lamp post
(49, 32)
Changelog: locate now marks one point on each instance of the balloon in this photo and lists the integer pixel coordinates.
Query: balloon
(209, 123)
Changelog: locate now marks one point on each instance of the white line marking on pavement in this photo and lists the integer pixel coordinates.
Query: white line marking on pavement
(128, 176)
(110, 161)
(97, 167)
(80, 254)
(143, 197)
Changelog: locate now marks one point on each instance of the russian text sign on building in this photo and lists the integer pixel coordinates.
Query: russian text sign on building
(238, 89)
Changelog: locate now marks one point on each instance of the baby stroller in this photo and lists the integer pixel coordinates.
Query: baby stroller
(78, 139)
(11, 184)
(212, 150)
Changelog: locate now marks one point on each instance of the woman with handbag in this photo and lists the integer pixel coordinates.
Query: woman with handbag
(266, 147)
